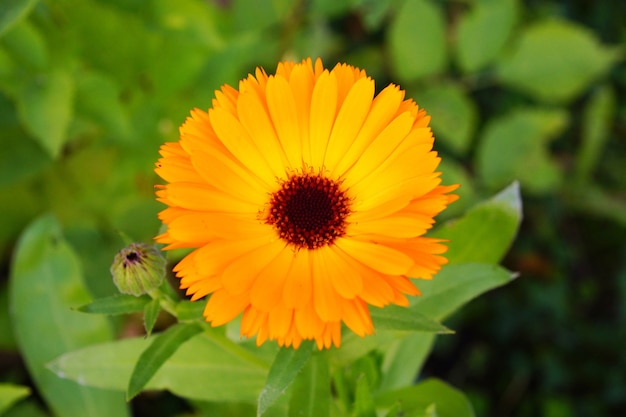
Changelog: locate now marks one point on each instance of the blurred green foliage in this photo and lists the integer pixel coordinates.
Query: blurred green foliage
(531, 90)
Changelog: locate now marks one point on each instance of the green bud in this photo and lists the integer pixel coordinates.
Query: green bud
(138, 268)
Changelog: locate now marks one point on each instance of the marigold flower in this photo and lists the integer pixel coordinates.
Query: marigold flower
(306, 198)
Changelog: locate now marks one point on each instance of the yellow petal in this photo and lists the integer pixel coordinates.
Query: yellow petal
(378, 257)
(242, 272)
(323, 110)
(298, 285)
(236, 139)
(349, 120)
(282, 108)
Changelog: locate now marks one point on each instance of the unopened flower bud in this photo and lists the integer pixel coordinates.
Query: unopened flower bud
(138, 268)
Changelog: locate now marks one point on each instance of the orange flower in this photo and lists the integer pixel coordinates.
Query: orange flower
(306, 197)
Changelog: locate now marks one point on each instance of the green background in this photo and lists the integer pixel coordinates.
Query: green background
(532, 91)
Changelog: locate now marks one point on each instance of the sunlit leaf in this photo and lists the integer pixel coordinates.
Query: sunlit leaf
(45, 284)
(554, 61)
(485, 233)
(310, 395)
(287, 365)
(515, 147)
(10, 394)
(416, 40)
(207, 367)
(449, 401)
(12, 11)
(455, 285)
(483, 31)
(401, 318)
(160, 350)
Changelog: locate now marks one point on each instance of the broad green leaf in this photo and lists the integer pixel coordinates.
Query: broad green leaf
(150, 314)
(403, 359)
(454, 114)
(515, 147)
(10, 394)
(160, 350)
(207, 367)
(45, 107)
(449, 401)
(417, 40)
(99, 98)
(485, 233)
(555, 61)
(13, 11)
(363, 403)
(287, 365)
(310, 396)
(597, 120)
(401, 318)
(116, 304)
(483, 31)
(455, 285)
(26, 45)
(45, 284)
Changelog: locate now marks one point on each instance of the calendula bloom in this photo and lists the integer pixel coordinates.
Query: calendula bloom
(306, 198)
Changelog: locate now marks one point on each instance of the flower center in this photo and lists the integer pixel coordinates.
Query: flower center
(309, 211)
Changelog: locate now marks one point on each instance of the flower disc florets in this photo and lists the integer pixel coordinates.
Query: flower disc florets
(309, 211)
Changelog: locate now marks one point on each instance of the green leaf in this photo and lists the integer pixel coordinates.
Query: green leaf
(455, 285)
(99, 98)
(401, 318)
(27, 46)
(483, 31)
(555, 61)
(449, 401)
(596, 125)
(10, 394)
(287, 365)
(45, 284)
(13, 11)
(363, 403)
(454, 114)
(417, 40)
(45, 108)
(403, 359)
(150, 314)
(189, 310)
(515, 147)
(207, 367)
(310, 395)
(160, 350)
(259, 15)
(116, 304)
(485, 233)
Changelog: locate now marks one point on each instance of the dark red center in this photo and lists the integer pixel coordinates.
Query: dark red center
(309, 211)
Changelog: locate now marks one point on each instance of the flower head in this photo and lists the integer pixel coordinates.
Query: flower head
(306, 198)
